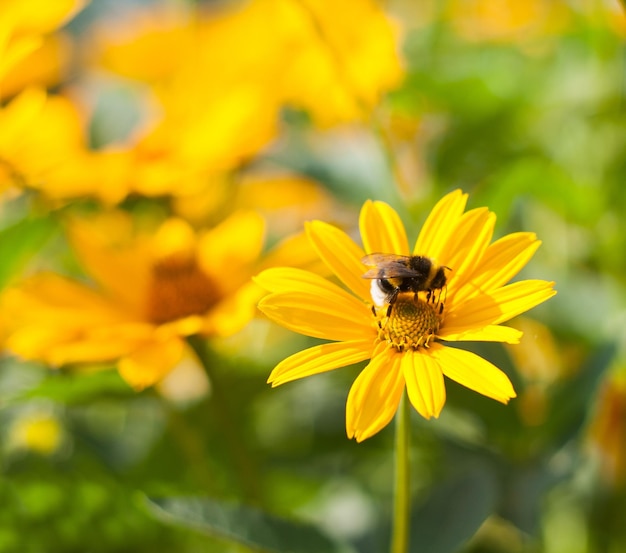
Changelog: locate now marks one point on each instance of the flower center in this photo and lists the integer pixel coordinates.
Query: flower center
(180, 289)
(410, 322)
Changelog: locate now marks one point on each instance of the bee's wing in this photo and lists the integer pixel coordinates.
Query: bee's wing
(387, 265)
(375, 259)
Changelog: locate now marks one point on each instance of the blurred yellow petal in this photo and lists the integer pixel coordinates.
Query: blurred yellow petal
(233, 312)
(297, 251)
(424, 383)
(40, 16)
(318, 359)
(110, 250)
(473, 372)
(230, 248)
(17, 116)
(375, 395)
(286, 201)
(43, 65)
(48, 310)
(382, 230)
(150, 363)
(340, 254)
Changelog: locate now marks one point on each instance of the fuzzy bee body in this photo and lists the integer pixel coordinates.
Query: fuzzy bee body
(393, 274)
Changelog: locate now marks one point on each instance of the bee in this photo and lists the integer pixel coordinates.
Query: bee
(393, 274)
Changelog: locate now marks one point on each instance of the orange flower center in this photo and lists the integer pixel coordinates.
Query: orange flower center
(180, 289)
(410, 322)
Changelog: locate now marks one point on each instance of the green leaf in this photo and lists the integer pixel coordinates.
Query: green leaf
(245, 525)
(571, 401)
(20, 242)
(454, 511)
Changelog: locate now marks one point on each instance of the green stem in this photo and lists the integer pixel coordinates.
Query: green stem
(402, 492)
(220, 411)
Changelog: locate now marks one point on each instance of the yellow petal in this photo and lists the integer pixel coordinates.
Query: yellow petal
(341, 255)
(375, 395)
(174, 237)
(151, 362)
(50, 299)
(42, 16)
(498, 306)
(489, 333)
(90, 349)
(424, 382)
(116, 257)
(18, 115)
(232, 246)
(327, 316)
(473, 372)
(469, 242)
(382, 229)
(234, 312)
(295, 250)
(501, 262)
(440, 224)
(319, 359)
(286, 279)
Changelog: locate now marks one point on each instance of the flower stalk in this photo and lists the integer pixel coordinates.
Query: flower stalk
(402, 492)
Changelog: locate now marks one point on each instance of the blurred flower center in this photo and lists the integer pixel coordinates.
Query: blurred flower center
(180, 289)
(411, 323)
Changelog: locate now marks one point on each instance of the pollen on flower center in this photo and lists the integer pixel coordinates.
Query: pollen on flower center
(179, 289)
(411, 323)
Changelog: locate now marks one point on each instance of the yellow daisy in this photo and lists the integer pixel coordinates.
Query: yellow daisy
(150, 292)
(404, 339)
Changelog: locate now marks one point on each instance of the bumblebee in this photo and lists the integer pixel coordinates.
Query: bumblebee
(393, 274)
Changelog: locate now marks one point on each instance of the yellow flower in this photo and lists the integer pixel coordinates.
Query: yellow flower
(404, 342)
(151, 291)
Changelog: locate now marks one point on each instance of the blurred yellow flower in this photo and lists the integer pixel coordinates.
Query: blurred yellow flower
(23, 24)
(334, 60)
(403, 342)
(539, 361)
(506, 20)
(38, 432)
(346, 56)
(607, 431)
(151, 291)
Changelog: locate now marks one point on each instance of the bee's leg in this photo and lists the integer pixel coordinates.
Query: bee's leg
(429, 295)
(442, 302)
(391, 300)
(374, 310)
